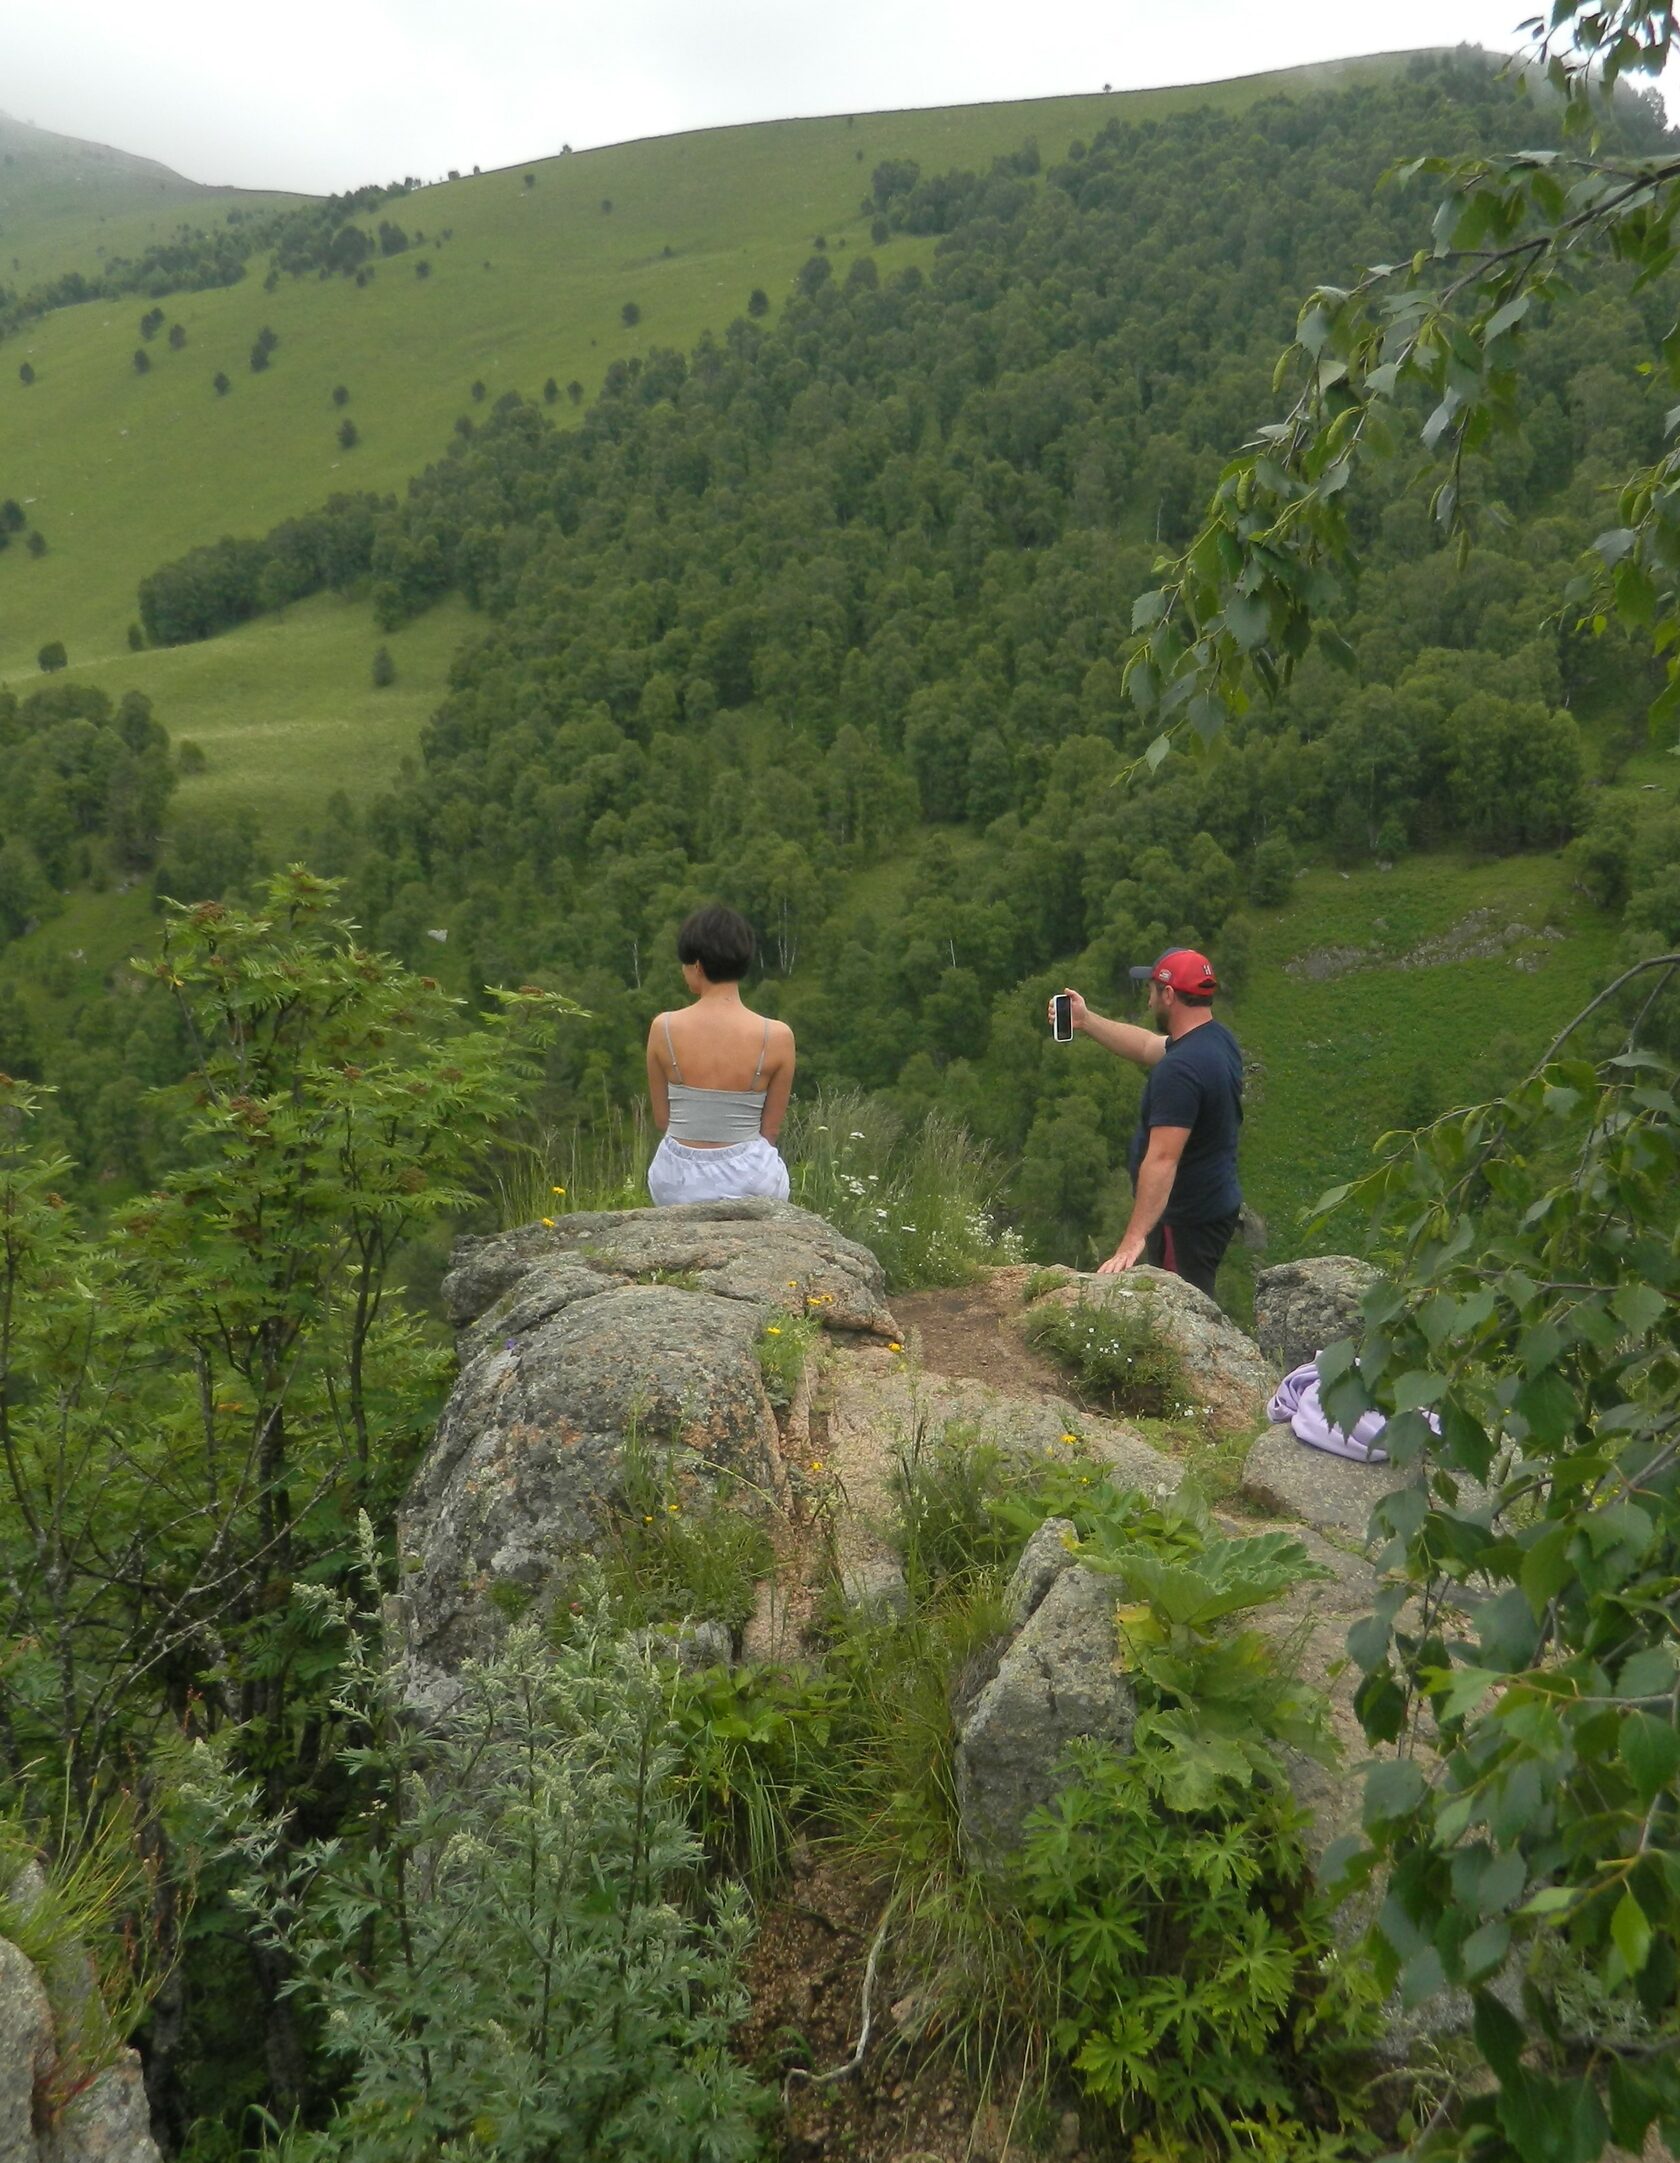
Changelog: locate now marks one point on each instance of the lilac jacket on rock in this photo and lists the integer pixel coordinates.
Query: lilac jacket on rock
(1295, 1404)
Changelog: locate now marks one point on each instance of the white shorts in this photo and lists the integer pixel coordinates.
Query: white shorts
(680, 1173)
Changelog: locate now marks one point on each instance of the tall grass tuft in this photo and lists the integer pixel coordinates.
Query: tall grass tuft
(561, 1169)
(922, 1197)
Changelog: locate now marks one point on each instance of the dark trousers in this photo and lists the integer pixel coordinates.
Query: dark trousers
(1192, 1251)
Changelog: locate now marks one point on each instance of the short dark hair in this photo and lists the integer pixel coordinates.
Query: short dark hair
(720, 940)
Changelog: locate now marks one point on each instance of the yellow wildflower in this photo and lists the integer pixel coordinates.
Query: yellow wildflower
(548, 1223)
(647, 1520)
(556, 1190)
(816, 1464)
(772, 1331)
(1072, 1440)
(673, 1509)
(895, 1346)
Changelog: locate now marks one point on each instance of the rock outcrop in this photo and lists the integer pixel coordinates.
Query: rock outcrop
(1300, 1307)
(51, 2110)
(583, 1346)
(1057, 1681)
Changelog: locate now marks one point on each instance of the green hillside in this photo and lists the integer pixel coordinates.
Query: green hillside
(67, 205)
(121, 471)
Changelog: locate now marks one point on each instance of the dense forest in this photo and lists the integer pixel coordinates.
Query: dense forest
(777, 603)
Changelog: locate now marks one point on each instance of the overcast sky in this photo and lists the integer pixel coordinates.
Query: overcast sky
(314, 96)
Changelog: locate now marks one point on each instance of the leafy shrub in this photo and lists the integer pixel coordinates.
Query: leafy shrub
(1196, 1983)
(1535, 1298)
(504, 1961)
(757, 1760)
(1114, 1354)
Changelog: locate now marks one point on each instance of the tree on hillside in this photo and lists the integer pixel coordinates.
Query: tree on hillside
(349, 435)
(477, 393)
(423, 268)
(151, 323)
(630, 315)
(384, 668)
(340, 396)
(52, 657)
(26, 374)
(222, 385)
(36, 544)
(551, 392)
(12, 519)
(177, 336)
(758, 302)
(142, 360)
(574, 391)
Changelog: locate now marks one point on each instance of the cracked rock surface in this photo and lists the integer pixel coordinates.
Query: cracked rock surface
(1058, 1681)
(605, 1334)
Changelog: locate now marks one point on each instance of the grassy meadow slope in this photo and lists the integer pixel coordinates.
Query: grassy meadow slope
(67, 205)
(122, 471)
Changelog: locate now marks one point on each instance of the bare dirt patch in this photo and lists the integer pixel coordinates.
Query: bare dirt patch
(965, 1333)
(904, 2103)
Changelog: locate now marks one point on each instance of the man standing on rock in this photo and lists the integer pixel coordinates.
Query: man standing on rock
(1183, 1158)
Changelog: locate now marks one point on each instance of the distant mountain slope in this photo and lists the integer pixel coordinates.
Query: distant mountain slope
(66, 204)
(126, 470)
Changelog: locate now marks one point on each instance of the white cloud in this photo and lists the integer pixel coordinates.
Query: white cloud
(313, 96)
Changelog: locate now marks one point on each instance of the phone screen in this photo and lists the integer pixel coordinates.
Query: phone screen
(1061, 1025)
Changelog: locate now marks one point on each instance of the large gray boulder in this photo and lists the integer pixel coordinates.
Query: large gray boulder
(28, 2053)
(588, 1346)
(1227, 1379)
(51, 2110)
(1058, 1681)
(1300, 1307)
(1285, 1477)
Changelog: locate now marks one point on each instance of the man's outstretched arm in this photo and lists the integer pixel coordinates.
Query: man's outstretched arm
(1154, 1190)
(1142, 1046)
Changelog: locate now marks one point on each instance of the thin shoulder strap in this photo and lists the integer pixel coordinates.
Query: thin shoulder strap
(670, 1048)
(763, 1047)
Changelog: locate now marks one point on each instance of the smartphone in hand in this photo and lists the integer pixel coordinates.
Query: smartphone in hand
(1061, 1018)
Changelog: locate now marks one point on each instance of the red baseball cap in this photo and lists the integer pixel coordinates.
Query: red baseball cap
(1184, 969)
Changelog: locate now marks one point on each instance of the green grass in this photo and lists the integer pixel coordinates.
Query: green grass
(284, 708)
(1386, 1046)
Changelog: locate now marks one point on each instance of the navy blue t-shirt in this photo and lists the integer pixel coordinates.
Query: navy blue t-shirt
(1197, 1084)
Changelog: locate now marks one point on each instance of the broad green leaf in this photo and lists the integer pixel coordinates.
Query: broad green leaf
(1650, 1749)
(1394, 1787)
(1630, 1932)
(1640, 1306)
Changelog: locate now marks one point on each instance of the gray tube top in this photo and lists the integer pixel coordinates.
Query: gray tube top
(717, 1116)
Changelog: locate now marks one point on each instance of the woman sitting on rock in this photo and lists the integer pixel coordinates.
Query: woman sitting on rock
(718, 1074)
